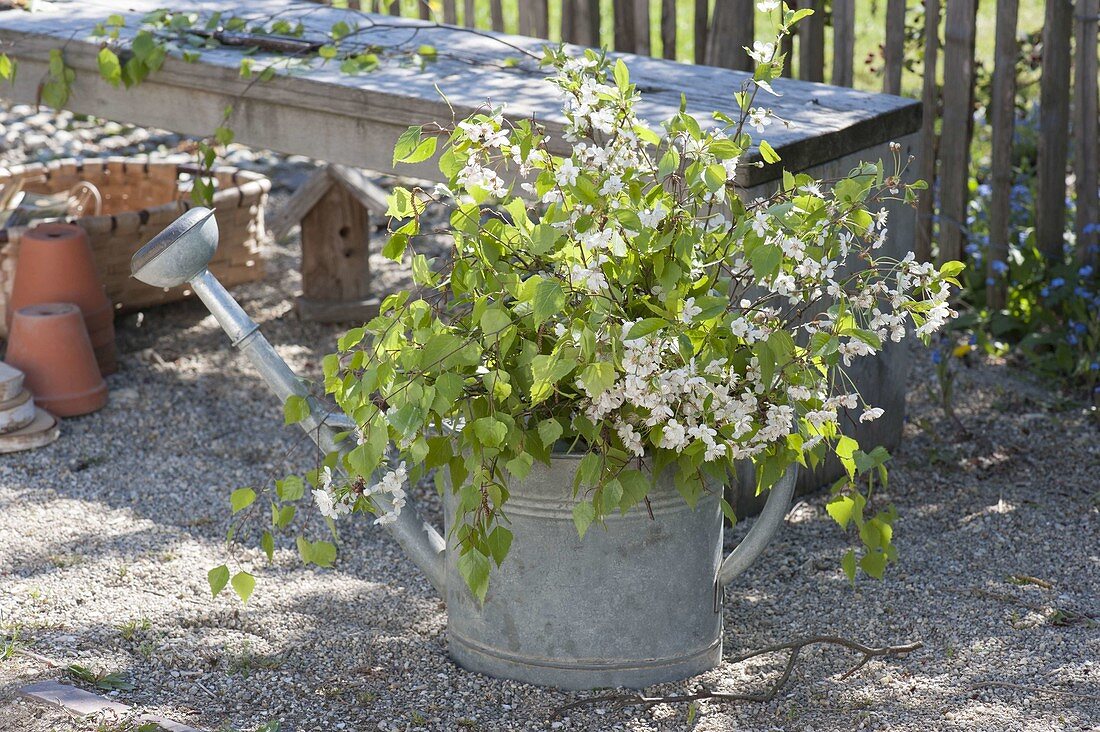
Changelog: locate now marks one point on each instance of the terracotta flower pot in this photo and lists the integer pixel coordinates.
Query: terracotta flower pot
(49, 344)
(56, 265)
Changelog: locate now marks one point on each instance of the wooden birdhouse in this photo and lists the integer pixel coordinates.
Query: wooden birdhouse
(335, 207)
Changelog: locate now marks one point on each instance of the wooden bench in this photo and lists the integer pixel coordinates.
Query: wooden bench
(355, 120)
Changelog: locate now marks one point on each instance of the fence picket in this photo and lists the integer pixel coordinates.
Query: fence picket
(641, 27)
(424, 9)
(1085, 133)
(580, 22)
(811, 42)
(450, 12)
(1003, 120)
(1050, 200)
(731, 30)
(926, 166)
(625, 27)
(668, 29)
(786, 46)
(534, 18)
(955, 129)
(701, 23)
(844, 40)
(496, 15)
(894, 46)
(469, 13)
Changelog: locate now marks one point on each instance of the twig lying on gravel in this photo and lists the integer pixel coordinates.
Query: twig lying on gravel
(794, 647)
(1035, 689)
(51, 663)
(1027, 579)
(1061, 616)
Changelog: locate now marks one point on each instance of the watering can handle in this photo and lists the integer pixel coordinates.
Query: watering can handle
(762, 531)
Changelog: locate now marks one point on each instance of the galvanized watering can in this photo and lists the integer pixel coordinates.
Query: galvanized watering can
(633, 605)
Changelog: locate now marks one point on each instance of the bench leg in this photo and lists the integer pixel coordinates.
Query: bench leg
(336, 261)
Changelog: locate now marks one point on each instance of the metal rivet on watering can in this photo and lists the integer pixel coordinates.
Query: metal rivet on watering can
(630, 606)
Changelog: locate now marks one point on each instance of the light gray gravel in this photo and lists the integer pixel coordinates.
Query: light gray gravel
(118, 521)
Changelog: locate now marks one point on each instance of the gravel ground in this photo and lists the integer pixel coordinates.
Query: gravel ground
(106, 535)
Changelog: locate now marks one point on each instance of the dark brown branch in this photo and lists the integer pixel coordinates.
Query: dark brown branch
(794, 648)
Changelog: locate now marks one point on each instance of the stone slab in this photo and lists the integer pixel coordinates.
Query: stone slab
(84, 703)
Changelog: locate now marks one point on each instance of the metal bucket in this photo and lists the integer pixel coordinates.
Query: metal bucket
(635, 604)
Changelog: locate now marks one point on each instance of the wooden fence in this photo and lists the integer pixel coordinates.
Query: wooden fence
(720, 35)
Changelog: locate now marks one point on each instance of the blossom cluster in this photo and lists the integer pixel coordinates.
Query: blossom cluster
(334, 500)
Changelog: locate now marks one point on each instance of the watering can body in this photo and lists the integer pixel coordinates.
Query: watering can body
(633, 603)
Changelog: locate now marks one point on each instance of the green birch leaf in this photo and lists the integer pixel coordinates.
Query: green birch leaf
(549, 299)
(7, 67)
(874, 564)
(848, 563)
(583, 515)
(550, 430)
(500, 541)
(768, 153)
(295, 409)
(474, 568)
(218, 578)
(322, 553)
(490, 431)
(267, 543)
(241, 499)
(109, 67)
(243, 584)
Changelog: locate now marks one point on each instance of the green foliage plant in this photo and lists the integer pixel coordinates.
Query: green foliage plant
(621, 302)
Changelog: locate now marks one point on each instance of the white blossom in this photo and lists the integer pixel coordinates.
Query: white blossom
(871, 414)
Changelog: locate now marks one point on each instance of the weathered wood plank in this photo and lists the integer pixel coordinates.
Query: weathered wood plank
(626, 29)
(811, 42)
(894, 46)
(930, 103)
(731, 31)
(580, 22)
(1050, 199)
(469, 13)
(668, 28)
(956, 126)
(424, 9)
(641, 27)
(534, 18)
(786, 47)
(1086, 155)
(844, 41)
(450, 12)
(496, 15)
(701, 23)
(316, 112)
(1003, 119)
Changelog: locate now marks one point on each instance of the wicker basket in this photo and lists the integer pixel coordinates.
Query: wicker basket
(139, 198)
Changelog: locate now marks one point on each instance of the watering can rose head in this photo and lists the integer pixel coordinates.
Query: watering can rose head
(609, 294)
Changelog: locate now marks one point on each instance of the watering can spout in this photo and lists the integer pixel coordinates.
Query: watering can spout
(180, 255)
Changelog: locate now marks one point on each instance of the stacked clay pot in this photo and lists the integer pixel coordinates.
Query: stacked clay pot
(49, 343)
(56, 265)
